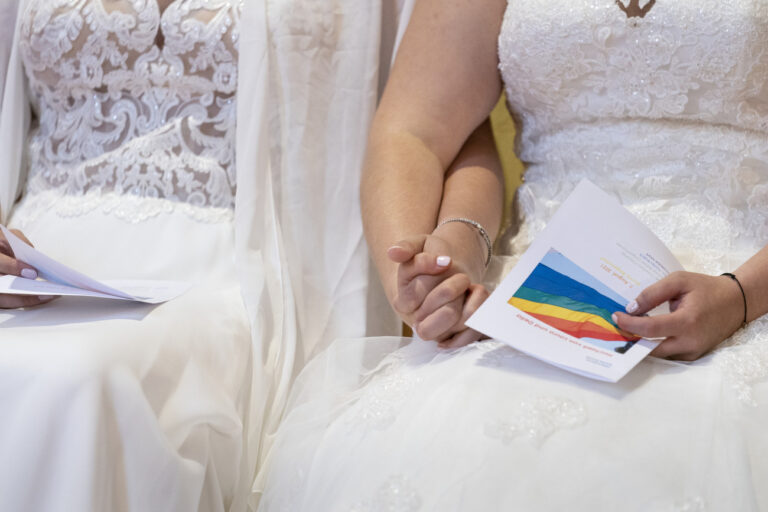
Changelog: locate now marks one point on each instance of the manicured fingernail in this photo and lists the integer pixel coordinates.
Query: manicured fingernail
(46, 297)
(394, 247)
(632, 307)
(29, 273)
(615, 318)
(443, 261)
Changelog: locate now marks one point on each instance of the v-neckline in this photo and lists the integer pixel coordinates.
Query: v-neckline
(161, 10)
(633, 9)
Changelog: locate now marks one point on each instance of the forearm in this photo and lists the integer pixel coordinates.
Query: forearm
(406, 191)
(400, 194)
(443, 85)
(474, 189)
(753, 276)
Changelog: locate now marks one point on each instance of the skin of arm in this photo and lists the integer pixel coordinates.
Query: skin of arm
(438, 304)
(442, 88)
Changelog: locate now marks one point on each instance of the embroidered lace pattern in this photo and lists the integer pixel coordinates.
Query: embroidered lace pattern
(667, 111)
(395, 495)
(386, 389)
(494, 354)
(536, 419)
(119, 116)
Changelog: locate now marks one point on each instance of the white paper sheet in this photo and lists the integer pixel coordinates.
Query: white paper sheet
(599, 247)
(58, 279)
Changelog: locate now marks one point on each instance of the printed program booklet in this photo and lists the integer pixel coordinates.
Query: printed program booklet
(592, 259)
(57, 279)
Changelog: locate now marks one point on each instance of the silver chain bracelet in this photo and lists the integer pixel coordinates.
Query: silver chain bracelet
(480, 229)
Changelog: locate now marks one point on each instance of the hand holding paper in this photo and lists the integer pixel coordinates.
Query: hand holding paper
(705, 311)
(593, 258)
(58, 280)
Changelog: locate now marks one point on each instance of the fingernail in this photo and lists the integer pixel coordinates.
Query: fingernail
(632, 307)
(29, 273)
(443, 261)
(615, 318)
(394, 247)
(46, 297)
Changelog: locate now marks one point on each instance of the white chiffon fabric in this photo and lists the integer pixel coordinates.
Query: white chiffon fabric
(110, 406)
(669, 113)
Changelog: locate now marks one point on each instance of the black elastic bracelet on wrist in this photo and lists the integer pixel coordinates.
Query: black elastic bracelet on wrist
(743, 295)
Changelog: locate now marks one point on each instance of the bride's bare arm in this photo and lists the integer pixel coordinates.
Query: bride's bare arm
(443, 86)
(437, 304)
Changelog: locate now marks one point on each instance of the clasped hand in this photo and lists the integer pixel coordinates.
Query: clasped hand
(9, 265)
(435, 291)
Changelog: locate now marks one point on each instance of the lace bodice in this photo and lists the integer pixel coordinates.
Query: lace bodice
(121, 118)
(661, 102)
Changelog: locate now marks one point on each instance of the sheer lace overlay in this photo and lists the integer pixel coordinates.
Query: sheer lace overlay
(668, 111)
(120, 116)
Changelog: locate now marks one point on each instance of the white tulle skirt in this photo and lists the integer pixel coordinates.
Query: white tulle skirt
(374, 427)
(108, 405)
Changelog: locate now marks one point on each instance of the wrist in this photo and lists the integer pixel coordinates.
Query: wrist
(741, 295)
(468, 248)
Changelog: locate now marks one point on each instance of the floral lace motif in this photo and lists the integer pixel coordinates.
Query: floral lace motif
(744, 359)
(667, 112)
(395, 495)
(117, 114)
(537, 419)
(495, 354)
(386, 389)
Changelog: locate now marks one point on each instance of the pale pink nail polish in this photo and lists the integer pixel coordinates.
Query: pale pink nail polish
(632, 307)
(28, 273)
(615, 318)
(443, 261)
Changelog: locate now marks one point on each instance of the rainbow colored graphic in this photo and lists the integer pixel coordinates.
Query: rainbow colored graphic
(564, 296)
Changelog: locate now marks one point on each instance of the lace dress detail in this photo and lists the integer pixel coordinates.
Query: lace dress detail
(125, 125)
(536, 419)
(395, 495)
(667, 111)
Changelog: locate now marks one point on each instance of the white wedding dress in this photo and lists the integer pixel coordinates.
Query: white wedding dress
(108, 405)
(665, 105)
(144, 162)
